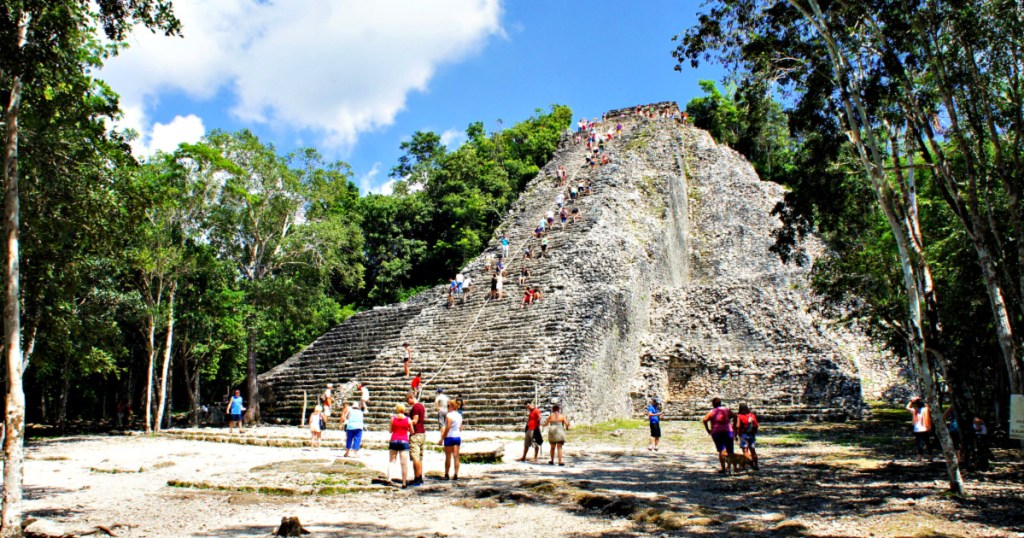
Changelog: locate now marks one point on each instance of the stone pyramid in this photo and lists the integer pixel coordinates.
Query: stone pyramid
(663, 288)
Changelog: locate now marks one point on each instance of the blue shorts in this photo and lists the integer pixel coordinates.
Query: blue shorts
(353, 439)
(452, 441)
(398, 445)
(723, 441)
(748, 440)
(235, 417)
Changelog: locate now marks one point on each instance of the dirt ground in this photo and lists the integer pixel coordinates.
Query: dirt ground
(850, 479)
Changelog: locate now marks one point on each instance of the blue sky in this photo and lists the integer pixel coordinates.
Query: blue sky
(355, 78)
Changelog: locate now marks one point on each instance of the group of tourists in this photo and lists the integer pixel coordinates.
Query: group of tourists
(557, 424)
(724, 426)
(923, 430)
(408, 437)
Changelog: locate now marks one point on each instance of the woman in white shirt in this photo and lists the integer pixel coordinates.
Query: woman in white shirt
(451, 439)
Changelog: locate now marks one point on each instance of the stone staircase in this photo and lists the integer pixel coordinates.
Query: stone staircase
(496, 354)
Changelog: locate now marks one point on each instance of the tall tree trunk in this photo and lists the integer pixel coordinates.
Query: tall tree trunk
(252, 413)
(904, 225)
(1001, 316)
(192, 382)
(65, 389)
(165, 369)
(170, 396)
(14, 421)
(150, 359)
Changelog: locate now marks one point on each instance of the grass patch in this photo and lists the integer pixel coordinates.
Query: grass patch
(266, 490)
(791, 439)
(882, 412)
(158, 465)
(290, 466)
(610, 426)
(663, 519)
(476, 504)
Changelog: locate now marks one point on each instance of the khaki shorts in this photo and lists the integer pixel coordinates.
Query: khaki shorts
(417, 444)
(528, 439)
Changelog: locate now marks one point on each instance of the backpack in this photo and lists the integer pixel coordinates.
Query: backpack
(751, 425)
(323, 423)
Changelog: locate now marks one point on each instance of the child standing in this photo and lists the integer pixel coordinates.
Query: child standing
(316, 426)
(746, 426)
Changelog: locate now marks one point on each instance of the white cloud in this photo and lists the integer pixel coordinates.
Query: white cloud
(367, 180)
(335, 67)
(160, 136)
(167, 137)
(453, 138)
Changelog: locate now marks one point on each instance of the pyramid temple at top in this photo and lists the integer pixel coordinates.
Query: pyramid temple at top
(664, 287)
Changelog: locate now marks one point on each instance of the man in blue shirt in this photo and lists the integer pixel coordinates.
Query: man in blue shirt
(654, 415)
(234, 412)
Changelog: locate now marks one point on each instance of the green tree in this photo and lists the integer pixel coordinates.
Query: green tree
(43, 44)
(288, 231)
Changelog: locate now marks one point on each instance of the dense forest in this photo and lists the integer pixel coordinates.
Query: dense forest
(160, 285)
(193, 270)
(897, 127)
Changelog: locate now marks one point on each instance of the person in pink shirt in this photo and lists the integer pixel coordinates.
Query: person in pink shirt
(718, 423)
(398, 447)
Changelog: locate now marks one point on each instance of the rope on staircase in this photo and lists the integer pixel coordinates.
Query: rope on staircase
(484, 305)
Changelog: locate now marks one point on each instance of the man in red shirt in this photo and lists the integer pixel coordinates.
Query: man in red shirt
(532, 428)
(418, 439)
(416, 382)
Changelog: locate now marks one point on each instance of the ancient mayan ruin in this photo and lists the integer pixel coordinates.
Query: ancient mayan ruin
(664, 288)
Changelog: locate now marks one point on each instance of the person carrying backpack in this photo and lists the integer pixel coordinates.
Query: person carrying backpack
(746, 426)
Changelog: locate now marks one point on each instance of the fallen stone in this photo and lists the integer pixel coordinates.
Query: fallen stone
(290, 526)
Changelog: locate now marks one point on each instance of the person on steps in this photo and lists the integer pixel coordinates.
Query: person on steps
(328, 399)
(494, 286)
(407, 357)
(364, 396)
(543, 247)
(352, 420)
(441, 407)
(524, 275)
(398, 446)
(557, 424)
(416, 383)
(451, 440)
(504, 246)
(527, 298)
(418, 440)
